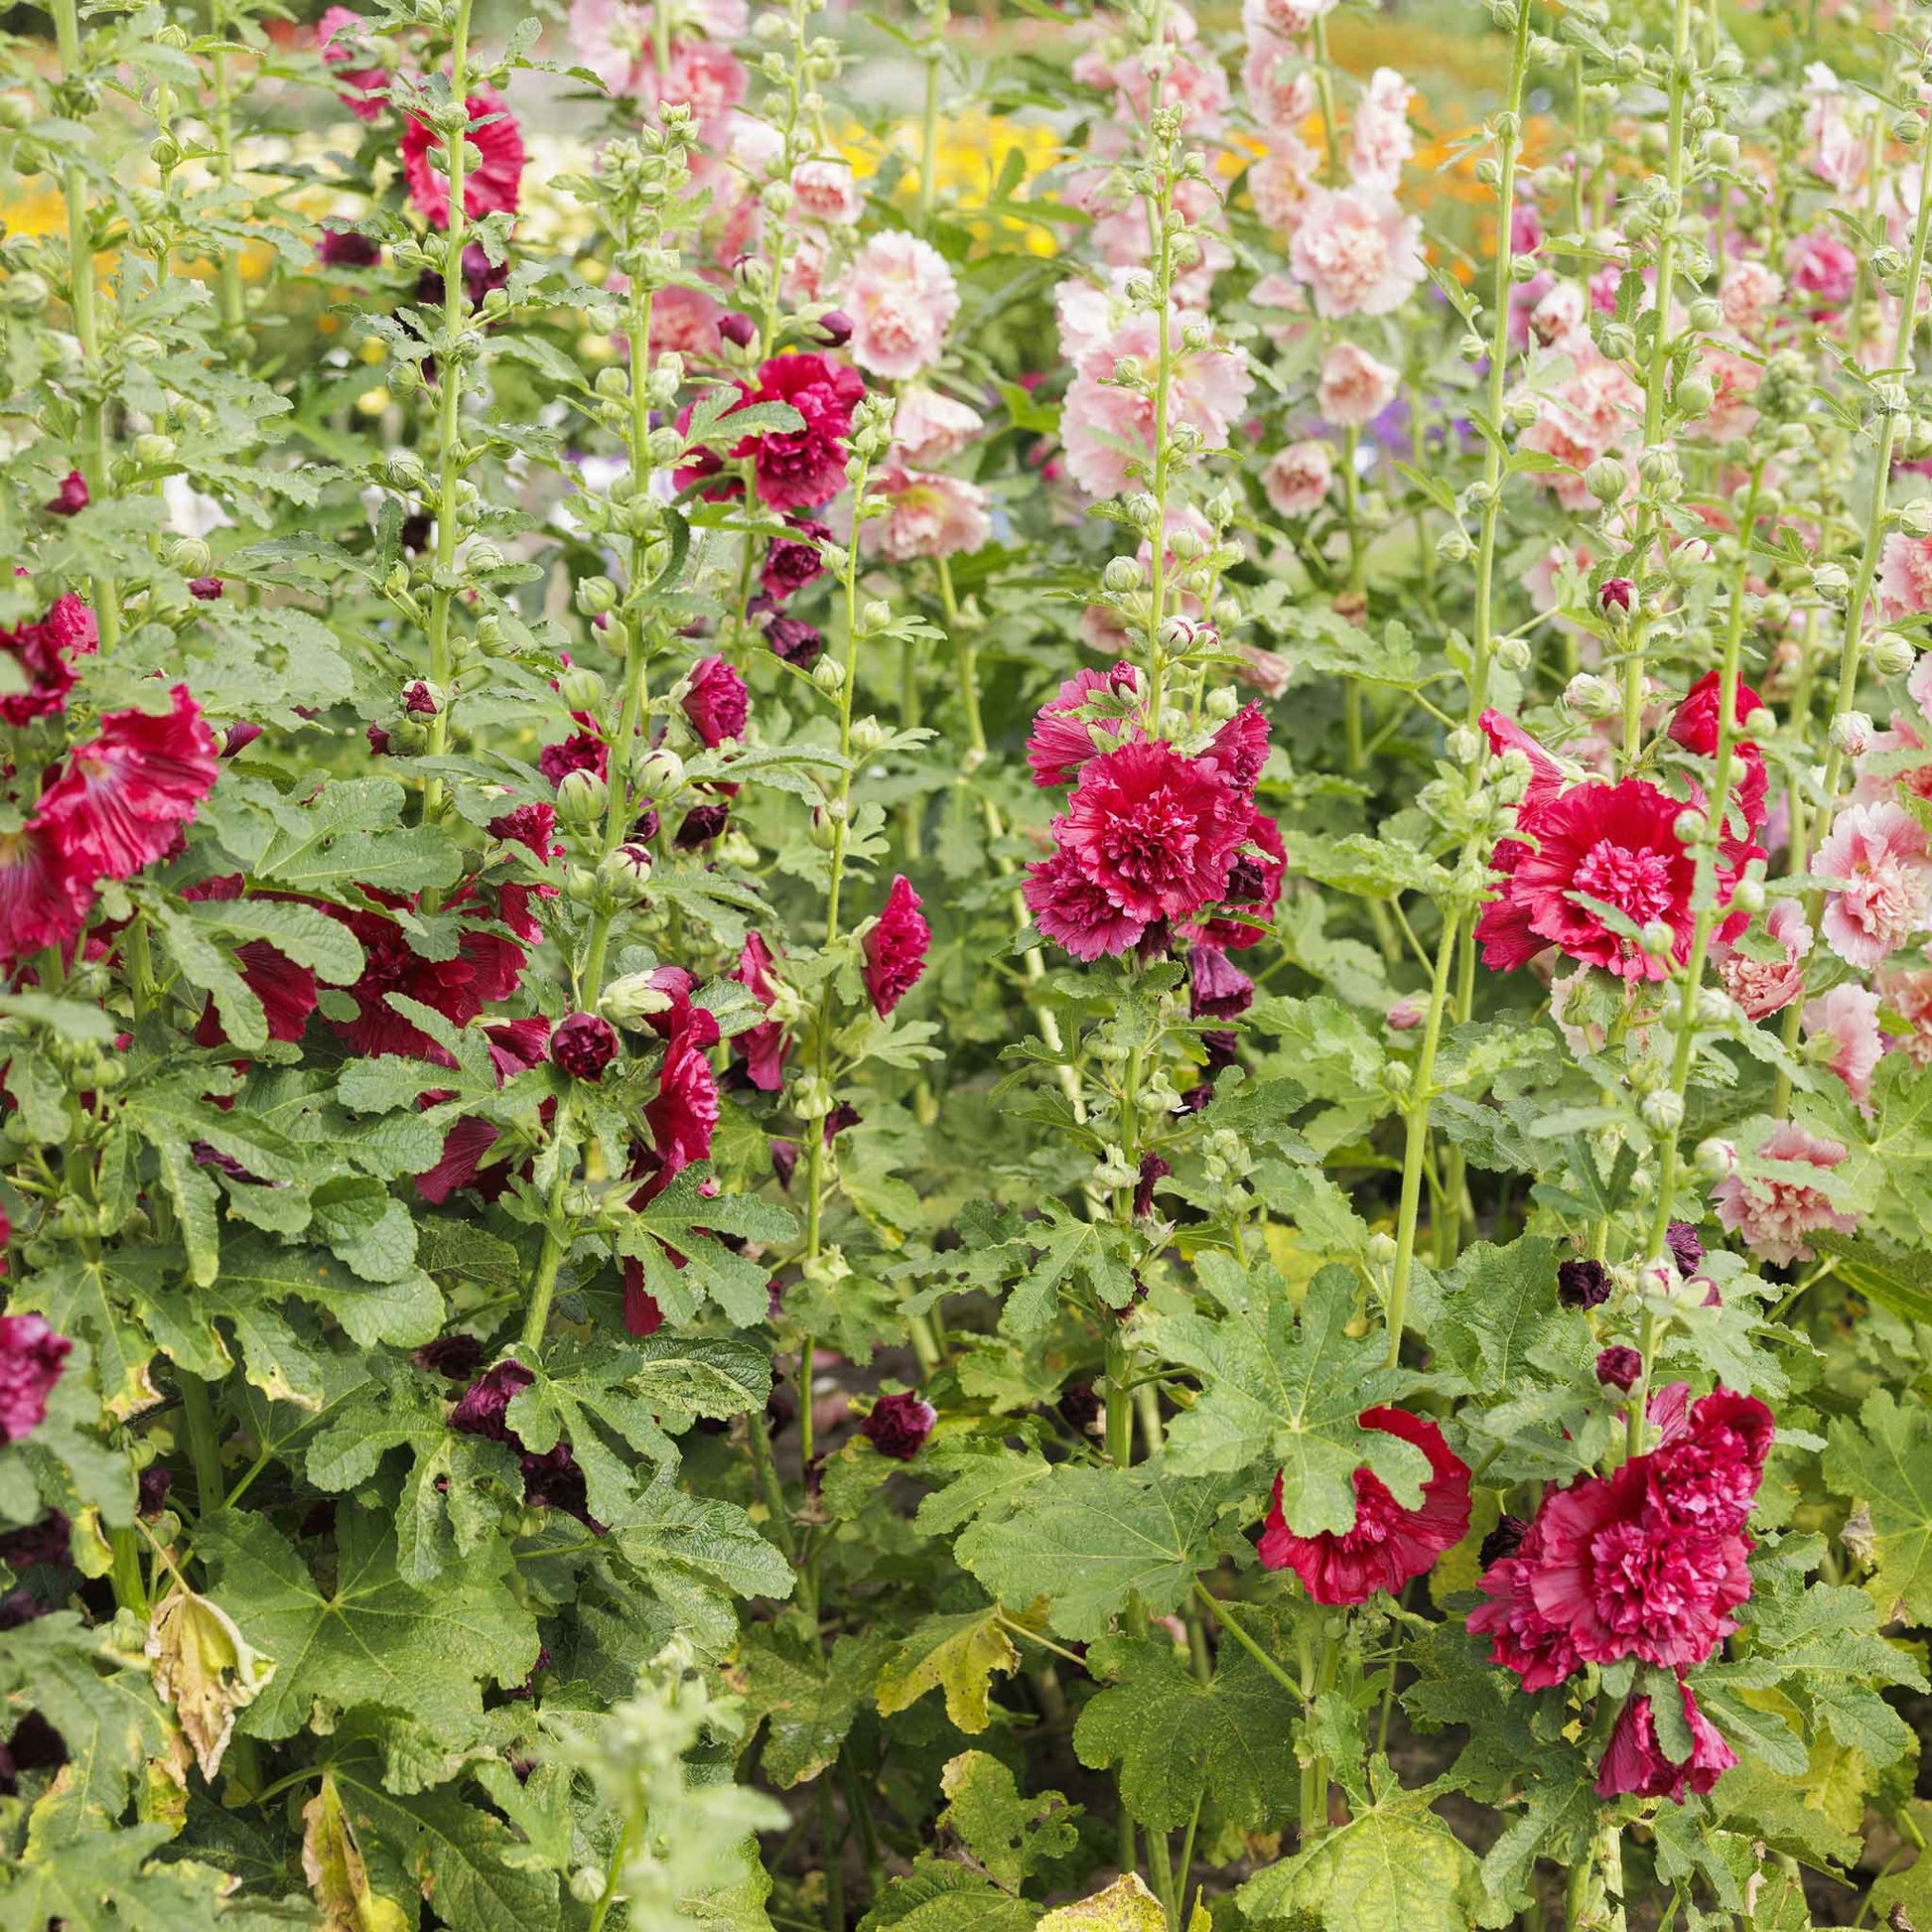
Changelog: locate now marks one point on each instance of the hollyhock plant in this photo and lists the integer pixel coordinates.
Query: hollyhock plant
(1388, 1544)
(896, 946)
(1354, 388)
(492, 185)
(765, 1046)
(1774, 1211)
(32, 1360)
(43, 654)
(716, 701)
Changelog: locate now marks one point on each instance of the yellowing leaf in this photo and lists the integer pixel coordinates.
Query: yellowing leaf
(1124, 1906)
(205, 1668)
(957, 1653)
(331, 1862)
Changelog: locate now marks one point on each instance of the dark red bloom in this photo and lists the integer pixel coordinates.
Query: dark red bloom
(514, 1045)
(31, 1357)
(532, 826)
(716, 701)
(1695, 727)
(286, 990)
(738, 329)
(483, 970)
(795, 641)
(480, 1409)
(452, 1357)
(642, 1314)
(796, 468)
(1582, 1284)
(1217, 988)
(1620, 1367)
(1615, 593)
(1388, 1543)
(1503, 1541)
(43, 654)
(1681, 1238)
(684, 1115)
(1634, 1763)
(585, 752)
(1254, 888)
(204, 590)
(899, 1425)
(793, 562)
(699, 826)
(490, 186)
(584, 1044)
(72, 497)
(895, 947)
(844, 1115)
(764, 1045)
(1153, 1170)
(835, 327)
(344, 248)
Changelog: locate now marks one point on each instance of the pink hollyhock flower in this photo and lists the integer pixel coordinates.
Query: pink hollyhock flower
(1381, 139)
(1581, 418)
(343, 42)
(1557, 317)
(1290, 19)
(1775, 1212)
(1908, 995)
(930, 515)
(1918, 685)
(45, 894)
(1705, 1472)
(1354, 388)
(1076, 912)
(1279, 181)
(899, 1425)
(1296, 480)
(1062, 735)
(1276, 79)
(483, 970)
(895, 947)
(716, 701)
(1845, 1022)
(610, 37)
(1356, 251)
(1764, 986)
(901, 298)
(1254, 889)
(1634, 1763)
(765, 1046)
(1265, 671)
(799, 468)
(584, 1044)
(683, 322)
(825, 191)
(1836, 152)
(1879, 854)
(708, 79)
(1820, 271)
(43, 654)
(1388, 1544)
(1240, 747)
(121, 800)
(1750, 296)
(1694, 726)
(32, 1359)
(1905, 576)
(490, 186)
(929, 428)
(72, 497)
(1155, 831)
(1540, 1650)
(1614, 843)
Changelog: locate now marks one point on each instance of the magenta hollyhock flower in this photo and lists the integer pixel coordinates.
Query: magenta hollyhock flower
(71, 497)
(1704, 1473)
(584, 1044)
(480, 1409)
(1634, 1764)
(1521, 1637)
(765, 1046)
(716, 701)
(491, 186)
(684, 1113)
(342, 41)
(121, 800)
(532, 826)
(795, 469)
(1217, 988)
(344, 248)
(483, 970)
(581, 751)
(896, 948)
(791, 563)
(899, 1425)
(1877, 856)
(1062, 739)
(42, 652)
(1388, 1544)
(286, 990)
(1076, 912)
(1695, 727)
(1254, 888)
(32, 1359)
(45, 896)
(1774, 1214)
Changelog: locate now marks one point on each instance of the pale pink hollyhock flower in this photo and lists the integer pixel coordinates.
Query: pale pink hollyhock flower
(1298, 478)
(1846, 1020)
(1105, 425)
(1354, 388)
(1088, 317)
(1880, 852)
(1775, 1214)
(1905, 576)
(1559, 318)
(1918, 686)
(683, 322)
(825, 193)
(1734, 382)
(1381, 139)
(1279, 183)
(1762, 986)
(1587, 412)
(755, 146)
(1821, 269)
(1270, 673)
(1356, 250)
(1119, 235)
(708, 79)
(928, 428)
(1277, 81)
(610, 37)
(1836, 153)
(930, 515)
(806, 262)
(1289, 18)
(1908, 994)
(901, 298)
(1750, 295)
(1879, 780)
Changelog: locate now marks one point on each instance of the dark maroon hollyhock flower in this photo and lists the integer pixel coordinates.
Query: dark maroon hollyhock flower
(532, 826)
(206, 1154)
(834, 328)
(417, 529)
(204, 590)
(1222, 1044)
(896, 948)
(527, 1689)
(898, 1425)
(553, 1480)
(1619, 1368)
(844, 1115)
(1195, 1098)
(31, 1357)
(286, 990)
(1681, 1238)
(716, 701)
(419, 700)
(72, 497)
(1218, 989)
(344, 248)
(454, 1356)
(47, 1542)
(1582, 1284)
(1152, 1169)
(584, 1044)
(378, 740)
(479, 1409)
(240, 735)
(1615, 593)
(792, 563)
(701, 824)
(483, 970)
(156, 1482)
(738, 329)
(1388, 1544)
(1081, 1406)
(642, 1314)
(784, 1161)
(1503, 1541)
(1634, 1762)
(585, 752)
(795, 641)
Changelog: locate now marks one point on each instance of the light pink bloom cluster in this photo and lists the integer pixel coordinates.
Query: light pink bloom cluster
(1354, 389)
(929, 515)
(1774, 1212)
(1357, 252)
(1298, 480)
(1875, 858)
(901, 298)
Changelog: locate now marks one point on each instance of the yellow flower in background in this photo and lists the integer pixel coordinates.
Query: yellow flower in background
(972, 158)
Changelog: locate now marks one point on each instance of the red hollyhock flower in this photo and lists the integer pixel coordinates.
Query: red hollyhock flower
(1155, 831)
(44, 897)
(483, 970)
(1695, 727)
(899, 1425)
(794, 469)
(1388, 1544)
(287, 991)
(1614, 843)
(1254, 889)
(684, 1115)
(341, 39)
(514, 1044)
(1240, 747)
(532, 826)
(1705, 1474)
(896, 948)
(1075, 912)
(793, 562)
(584, 1044)
(1063, 740)
(1634, 1763)
(71, 497)
(585, 752)
(121, 800)
(765, 1046)
(716, 701)
(490, 186)
(42, 652)
(32, 1359)
(1521, 1637)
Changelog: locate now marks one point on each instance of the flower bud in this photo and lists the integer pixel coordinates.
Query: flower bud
(1693, 397)
(1657, 938)
(1514, 655)
(1891, 656)
(581, 688)
(191, 556)
(829, 675)
(633, 1001)
(1717, 1158)
(1590, 696)
(624, 874)
(582, 799)
(1747, 895)
(1123, 574)
(1851, 733)
(1605, 479)
(1463, 746)
(1915, 517)
(660, 774)
(1663, 1111)
(1455, 547)
(596, 597)
(1831, 583)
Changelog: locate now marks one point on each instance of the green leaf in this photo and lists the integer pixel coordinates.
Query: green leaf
(351, 836)
(954, 1652)
(808, 1703)
(1502, 1319)
(1885, 1463)
(1070, 1249)
(1008, 1835)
